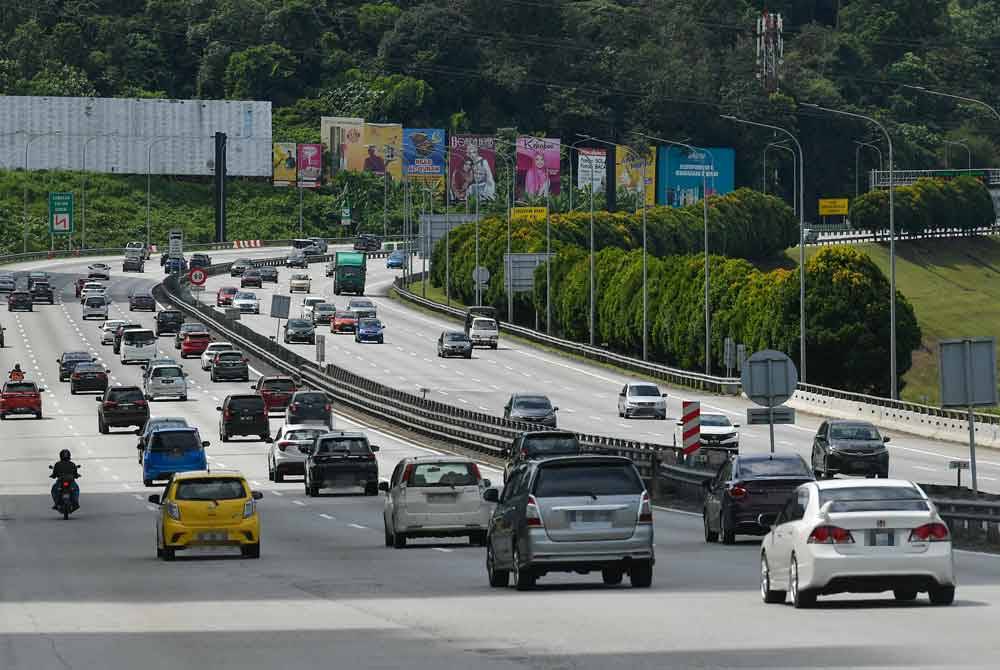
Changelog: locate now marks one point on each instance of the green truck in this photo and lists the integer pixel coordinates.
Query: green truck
(349, 272)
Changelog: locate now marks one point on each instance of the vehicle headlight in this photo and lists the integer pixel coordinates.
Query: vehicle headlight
(729, 436)
(173, 511)
(249, 508)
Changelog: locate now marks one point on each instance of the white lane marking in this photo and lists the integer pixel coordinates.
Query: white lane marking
(354, 525)
(299, 503)
(924, 468)
(277, 493)
(327, 516)
(442, 549)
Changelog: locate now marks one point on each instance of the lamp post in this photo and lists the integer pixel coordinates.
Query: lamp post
(31, 138)
(510, 162)
(857, 161)
(426, 226)
(83, 194)
(592, 275)
(795, 177)
(948, 143)
(802, 241)
(942, 94)
(894, 385)
(149, 160)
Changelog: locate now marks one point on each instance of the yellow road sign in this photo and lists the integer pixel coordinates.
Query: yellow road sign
(833, 207)
(529, 214)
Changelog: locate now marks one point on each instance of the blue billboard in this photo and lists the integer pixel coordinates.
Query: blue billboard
(679, 174)
(423, 153)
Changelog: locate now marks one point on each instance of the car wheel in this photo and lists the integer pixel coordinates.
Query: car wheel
(148, 483)
(270, 471)
(38, 415)
(498, 578)
(212, 376)
(710, 535)
(469, 355)
(478, 539)
(102, 427)
(612, 576)
(72, 391)
(727, 534)
(278, 476)
(524, 578)
(904, 595)
(388, 536)
(250, 550)
(942, 595)
(168, 553)
(398, 539)
(641, 574)
(801, 598)
(768, 594)
(223, 436)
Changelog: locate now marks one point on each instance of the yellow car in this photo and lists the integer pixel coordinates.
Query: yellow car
(203, 508)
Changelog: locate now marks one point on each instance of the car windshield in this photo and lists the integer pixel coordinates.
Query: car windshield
(532, 402)
(325, 307)
(246, 296)
(303, 435)
(76, 356)
(361, 303)
(169, 316)
(353, 446)
(537, 445)
(139, 338)
(444, 474)
(456, 337)
(716, 420)
(853, 431)
(279, 385)
(341, 314)
(125, 395)
(370, 323)
(874, 499)
(166, 422)
(299, 323)
(247, 402)
(213, 488)
(89, 367)
(587, 479)
(310, 398)
(95, 302)
(168, 373)
(774, 467)
(170, 440)
(15, 387)
(647, 390)
(111, 325)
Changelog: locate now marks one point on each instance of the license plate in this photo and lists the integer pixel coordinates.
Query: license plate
(167, 381)
(214, 536)
(882, 538)
(590, 517)
(441, 498)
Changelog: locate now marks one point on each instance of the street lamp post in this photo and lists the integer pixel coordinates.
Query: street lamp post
(948, 143)
(31, 138)
(802, 240)
(857, 162)
(795, 176)
(894, 380)
(426, 226)
(149, 159)
(83, 194)
(942, 94)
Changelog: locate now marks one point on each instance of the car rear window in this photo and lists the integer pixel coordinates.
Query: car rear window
(311, 398)
(874, 499)
(76, 356)
(302, 435)
(775, 467)
(278, 385)
(299, 323)
(95, 302)
(168, 373)
(197, 336)
(214, 488)
(88, 367)
(342, 314)
(545, 445)
(174, 441)
(484, 324)
(139, 337)
(16, 387)
(125, 394)
(228, 291)
(587, 479)
(247, 403)
(169, 316)
(230, 356)
(444, 474)
(353, 446)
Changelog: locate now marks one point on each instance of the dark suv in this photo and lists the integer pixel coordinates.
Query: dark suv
(20, 300)
(243, 415)
(200, 261)
(168, 321)
(849, 448)
(536, 444)
(231, 365)
(366, 242)
(69, 360)
(122, 406)
(309, 407)
(141, 299)
(41, 291)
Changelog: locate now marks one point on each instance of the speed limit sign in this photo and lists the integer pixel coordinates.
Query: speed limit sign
(197, 276)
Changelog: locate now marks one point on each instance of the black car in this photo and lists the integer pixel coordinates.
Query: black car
(37, 276)
(268, 274)
(339, 461)
(296, 259)
(243, 415)
(169, 321)
(193, 327)
(535, 444)
(41, 291)
(367, 242)
(134, 263)
(239, 267)
(300, 330)
(20, 300)
(531, 407)
(747, 490)
(231, 365)
(69, 360)
(251, 277)
(141, 299)
(200, 261)
(177, 265)
(122, 406)
(88, 377)
(309, 407)
(849, 448)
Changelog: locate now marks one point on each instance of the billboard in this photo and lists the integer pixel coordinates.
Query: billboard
(679, 174)
(472, 166)
(310, 165)
(125, 135)
(537, 166)
(629, 172)
(337, 133)
(283, 163)
(379, 151)
(423, 154)
(591, 170)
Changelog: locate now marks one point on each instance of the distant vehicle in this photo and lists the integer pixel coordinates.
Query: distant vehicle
(200, 261)
(21, 397)
(78, 285)
(296, 259)
(323, 312)
(189, 327)
(230, 365)
(268, 274)
(309, 407)
(95, 307)
(472, 313)
(121, 406)
(108, 330)
(532, 408)
(92, 288)
(533, 445)
(37, 276)
(211, 350)
(349, 273)
(140, 247)
(175, 265)
(857, 536)
(169, 321)
(20, 301)
(571, 514)
(747, 490)
(343, 321)
(41, 291)
(287, 454)
(276, 391)
(642, 399)
(717, 432)
(307, 247)
(156, 423)
(137, 345)
(120, 333)
(308, 303)
(251, 278)
(247, 302)
(99, 271)
(299, 282)
(299, 330)
(484, 332)
(7, 284)
(243, 414)
(141, 298)
(342, 461)
(369, 330)
(225, 295)
(134, 262)
(367, 242)
(849, 447)
(69, 360)
(164, 381)
(454, 343)
(355, 304)
(396, 260)
(239, 267)
(171, 451)
(435, 496)
(319, 243)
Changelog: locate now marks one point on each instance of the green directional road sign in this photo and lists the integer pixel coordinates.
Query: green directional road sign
(61, 213)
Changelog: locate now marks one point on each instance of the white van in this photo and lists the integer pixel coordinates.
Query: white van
(484, 333)
(138, 345)
(95, 307)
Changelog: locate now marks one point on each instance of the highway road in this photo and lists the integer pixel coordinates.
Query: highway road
(88, 593)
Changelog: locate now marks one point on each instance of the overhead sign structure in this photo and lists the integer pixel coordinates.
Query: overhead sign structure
(761, 416)
(967, 369)
(529, 214)
(690, 426)
(61, 213)
(769, 378)
(833, 206)
(197, 276)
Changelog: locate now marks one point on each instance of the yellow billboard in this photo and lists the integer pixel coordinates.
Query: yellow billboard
(380, 150)
(833, 206)
(338, 133)
(629, 171)
(283, 163)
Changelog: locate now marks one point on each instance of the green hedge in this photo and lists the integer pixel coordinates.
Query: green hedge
(963, 203)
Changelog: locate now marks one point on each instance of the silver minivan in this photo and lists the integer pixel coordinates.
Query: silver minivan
(571, 514)
(95, 307)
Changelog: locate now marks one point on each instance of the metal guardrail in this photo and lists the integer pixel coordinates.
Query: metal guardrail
(898, 405)
(881, 236)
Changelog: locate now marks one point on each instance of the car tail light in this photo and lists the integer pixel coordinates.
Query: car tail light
(930, 532)
(830, 535)
(407, 473)
(249, 508)
(227, 415)
(475, 471)
(173, 511)
(532, 515)
(738, 492)
(141, 403)
(284, 444)
(110, 403)
(645, 510)
(327, 407)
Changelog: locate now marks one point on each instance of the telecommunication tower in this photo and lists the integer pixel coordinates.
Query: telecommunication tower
(770, 50)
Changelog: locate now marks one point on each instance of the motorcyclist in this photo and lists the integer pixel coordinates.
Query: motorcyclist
(16, 375)
(65, 468)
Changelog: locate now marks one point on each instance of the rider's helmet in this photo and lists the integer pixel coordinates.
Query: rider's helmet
(17, 367)
(64, 455)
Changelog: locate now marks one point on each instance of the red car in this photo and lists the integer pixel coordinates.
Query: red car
(21, 398)
(194, 344)
(79, 285)
(343, 321)
(276, 391)
(225, 296)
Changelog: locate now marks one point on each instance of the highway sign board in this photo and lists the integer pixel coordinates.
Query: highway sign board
(769, 378)
(958, 465)
(60, 213)
(280, 306)
(519, 270)
(197, 276)
(833, 206)
(968, 372)
(762, 416)
(345, 215)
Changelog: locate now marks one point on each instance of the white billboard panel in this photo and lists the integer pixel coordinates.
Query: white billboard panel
(122, 134)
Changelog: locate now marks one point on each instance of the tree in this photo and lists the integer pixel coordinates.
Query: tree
(262, 73)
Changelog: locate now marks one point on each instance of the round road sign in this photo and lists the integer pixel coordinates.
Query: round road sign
(769, 378)
(197, 276)
(481, 275)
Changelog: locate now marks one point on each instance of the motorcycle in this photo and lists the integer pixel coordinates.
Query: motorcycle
(64, 502)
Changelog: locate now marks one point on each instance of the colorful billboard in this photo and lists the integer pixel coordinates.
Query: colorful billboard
(472, 166)
(591, 168)
(423, 154)
(283, 159)
(537, 166)
(679, 174)
(629, 172)
(337, 134)
(380, 150)
(310, 165)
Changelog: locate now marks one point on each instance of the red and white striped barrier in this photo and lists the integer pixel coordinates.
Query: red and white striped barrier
(691, 426)
(246, 244)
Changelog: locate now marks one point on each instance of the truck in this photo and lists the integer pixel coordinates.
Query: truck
(349, 272)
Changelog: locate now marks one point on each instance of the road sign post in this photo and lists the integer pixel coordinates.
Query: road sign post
(197, 276)
(769, 379)
(61, 214)
(958, 466)
(967, 369)
(175, 243)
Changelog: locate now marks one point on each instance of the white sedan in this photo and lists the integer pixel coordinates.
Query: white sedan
(247, 302)
(108, 329)
(857, 536)
(99, 271)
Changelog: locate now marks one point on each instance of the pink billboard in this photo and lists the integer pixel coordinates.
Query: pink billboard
(537, 166)
(310, 165)
(471, 167)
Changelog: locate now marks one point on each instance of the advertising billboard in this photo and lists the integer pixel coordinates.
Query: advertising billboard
(380, 150)
(472, 167)
(337, 133)
(679, 174)
(537, 166)
(591, 168)
(629, 172)
(423, 154)
(310, 165)
(283, 163)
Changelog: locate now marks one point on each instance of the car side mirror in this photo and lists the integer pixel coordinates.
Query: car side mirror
(491, 495)
(41, 389)
(487, 483)
(257, 495)
(678, 423)
(762, 521)
(885, 439)
(218, 409)
(93, 360)
(205, 443)
(374, 448)
(139, 447)
(663, 395)
(50, 467)
(383, 486)
(155, 498)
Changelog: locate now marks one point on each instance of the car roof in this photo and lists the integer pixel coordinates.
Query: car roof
(440, 458)
(177, 429)
(243, 396)
(863, 483)
(543, 433)
(208, 474)
(643, 384)
(153, 419)
(779, 455)
(849, 422)
(69, 354)
(334, 434)
(581, 458)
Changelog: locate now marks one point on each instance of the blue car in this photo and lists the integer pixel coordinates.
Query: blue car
(175, 265)
(369, 330)
(172, 450)
(396, 260)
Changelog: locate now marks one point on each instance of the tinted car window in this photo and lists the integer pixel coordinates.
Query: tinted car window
(444, 474)
(853, 431)
(715, 420)
(76, 356)
(169, 316)
(279, 385)
(456, 337)
(774, 467)
(125, 394)
(15, 387)
(874, 499)
(532, 402)
(174, 441)
(299, 323)
(551, 444)
(215, 488)
(139, 338)
(311, 398)
(197, 336)
(226, 355)
(168, 373)
(88, 367)
(303, 434)
(247, 402)
(577, 479)
(352, 446)
(95, 302)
